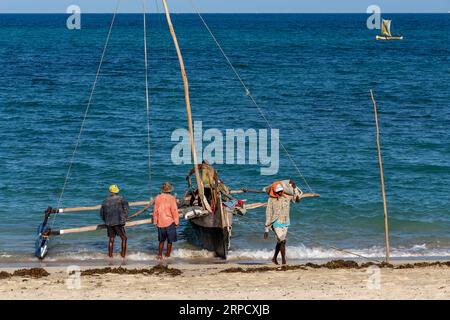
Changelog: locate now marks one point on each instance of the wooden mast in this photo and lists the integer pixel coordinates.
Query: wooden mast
(188, 103)
(382, 178)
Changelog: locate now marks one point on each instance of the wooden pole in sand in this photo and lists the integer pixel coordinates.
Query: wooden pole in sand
(382, 178)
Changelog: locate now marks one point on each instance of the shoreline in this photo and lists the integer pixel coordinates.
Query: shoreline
(29, 261)
(117, 261)
(233, 281)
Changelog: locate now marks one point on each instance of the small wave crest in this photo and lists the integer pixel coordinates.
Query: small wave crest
(300, 252)
(304, 253)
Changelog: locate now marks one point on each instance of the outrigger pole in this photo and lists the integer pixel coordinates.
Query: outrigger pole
(97, 227)
(304, 195)
(383, 192)
(92, 208)
(188, 109)
(129, 224)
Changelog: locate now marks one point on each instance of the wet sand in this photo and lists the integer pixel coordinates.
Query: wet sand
(231, 281)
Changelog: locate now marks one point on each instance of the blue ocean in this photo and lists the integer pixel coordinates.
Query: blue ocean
(310, 74)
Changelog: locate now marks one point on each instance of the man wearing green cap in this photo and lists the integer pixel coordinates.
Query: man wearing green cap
(114, 212)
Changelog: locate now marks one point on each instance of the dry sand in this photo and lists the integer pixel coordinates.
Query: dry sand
(208, 282)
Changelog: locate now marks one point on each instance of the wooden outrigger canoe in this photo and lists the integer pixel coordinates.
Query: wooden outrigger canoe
(211, 232)
(386, 32)
(213, 229)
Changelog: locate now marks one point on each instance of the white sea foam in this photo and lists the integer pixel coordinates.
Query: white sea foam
(305, 253)
(192, 254)
(300, 252)
(137, 256)
(294, 252)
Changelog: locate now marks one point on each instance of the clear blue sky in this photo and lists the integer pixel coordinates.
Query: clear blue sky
(233, 6)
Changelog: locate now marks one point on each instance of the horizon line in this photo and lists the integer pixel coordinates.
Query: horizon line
(194, 13)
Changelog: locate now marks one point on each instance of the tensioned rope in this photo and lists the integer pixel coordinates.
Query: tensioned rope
(147, 101)
(248, 93)
(291, 159)
(77, 143)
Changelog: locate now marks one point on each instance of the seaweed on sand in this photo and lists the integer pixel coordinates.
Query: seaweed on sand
(424, 265)
(158, 270)
(263, 269)
(32, 273)
(341, 264)
(337, 264)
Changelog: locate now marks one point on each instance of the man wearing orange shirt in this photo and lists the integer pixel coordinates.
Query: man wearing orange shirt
(166, 218)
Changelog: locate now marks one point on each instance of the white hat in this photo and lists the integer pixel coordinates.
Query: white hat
(279, 187)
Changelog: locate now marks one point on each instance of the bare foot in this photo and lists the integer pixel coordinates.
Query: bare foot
(159, 257)
(274, 260)
(283, 262)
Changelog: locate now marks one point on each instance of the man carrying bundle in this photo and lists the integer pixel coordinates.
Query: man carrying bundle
(114, 213)
(277, 218)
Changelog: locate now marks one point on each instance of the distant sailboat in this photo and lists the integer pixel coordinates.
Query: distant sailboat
(386, 32)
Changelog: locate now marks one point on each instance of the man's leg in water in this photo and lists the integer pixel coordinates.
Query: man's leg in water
(283, 252)
(169, 249)
(160, 250)
(277, 250)
(124, 239)
(111, 246)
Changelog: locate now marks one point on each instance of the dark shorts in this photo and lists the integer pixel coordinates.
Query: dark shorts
(169, 234)
(114, 231)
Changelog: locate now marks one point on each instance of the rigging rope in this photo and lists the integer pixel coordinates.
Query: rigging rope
(77, 143)
(248, 92)
(147, 101)
(291, 159)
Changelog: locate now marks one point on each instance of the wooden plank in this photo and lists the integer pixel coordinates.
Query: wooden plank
(97, 207)
(130, 224)
(255, 205)
(309, 195)
(142, 204)
(246, 191)
(99, 227)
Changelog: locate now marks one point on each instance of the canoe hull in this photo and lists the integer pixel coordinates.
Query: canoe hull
(216, 240)
(213, 231)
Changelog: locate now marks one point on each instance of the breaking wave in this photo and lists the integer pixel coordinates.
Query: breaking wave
(304, 253)
(420, 251)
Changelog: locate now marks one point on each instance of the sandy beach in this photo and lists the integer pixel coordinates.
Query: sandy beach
(227, 281)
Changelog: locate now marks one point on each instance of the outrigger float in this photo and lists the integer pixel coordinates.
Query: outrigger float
(212, 224)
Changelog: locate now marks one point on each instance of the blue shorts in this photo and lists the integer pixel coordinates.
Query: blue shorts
(169, 234)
